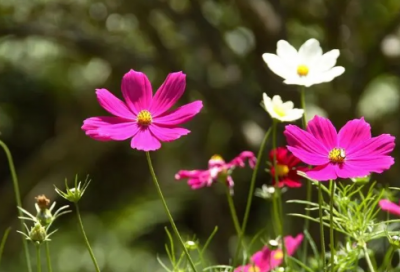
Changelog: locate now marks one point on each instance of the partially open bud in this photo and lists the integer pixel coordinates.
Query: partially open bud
(43, 215)
(74, 194)
(266, 192)
(191, 245)
(38, 233)
(394, 240)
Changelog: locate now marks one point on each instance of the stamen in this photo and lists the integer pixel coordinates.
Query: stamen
(302, 70)
(337, 155)
(278, 255)
(282, 170)
(144, 118)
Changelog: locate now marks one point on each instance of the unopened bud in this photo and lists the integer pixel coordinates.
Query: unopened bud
(38, 233)
(191, 245)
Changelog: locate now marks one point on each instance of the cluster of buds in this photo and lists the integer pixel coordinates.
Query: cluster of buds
(45, 217)
(43, 220)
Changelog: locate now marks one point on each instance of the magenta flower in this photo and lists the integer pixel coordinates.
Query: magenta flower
(389, 206)
(146, 119)
(266, 259)
(351, 153)
(218, 169)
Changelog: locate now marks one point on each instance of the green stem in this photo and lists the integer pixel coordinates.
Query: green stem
(278, 201)
(308, 183)
(3, 241)
(89, 248)
(233, 212)
(49, 268)
(370, 266)
(321, 225)
(386, 265)
(18, 200)
(251, 191)
(171, 220)
(332, 237)
(38, 261)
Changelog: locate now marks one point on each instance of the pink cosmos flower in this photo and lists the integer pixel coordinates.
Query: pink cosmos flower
(266, 259)
(389, 206)
(145, 118)
(217, 169)
(351, 153)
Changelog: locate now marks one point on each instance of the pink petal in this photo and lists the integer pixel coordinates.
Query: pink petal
(376, 146)
(179, 115)
(292, 243)
(350, 170)
(305, 146)
(113, 105)
(169, 92)
(182, 174)
(367, 165)
(390, 207)
(323, 130)
(243, 268)
(322, 172)
(165, 134)
(354, 133)
(109, 128)
(136, 89)
(144, 140)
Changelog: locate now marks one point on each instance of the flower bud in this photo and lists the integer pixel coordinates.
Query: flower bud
(38, 233)
(191, 245)
(266, 192)
(43, 215)
(74, 194)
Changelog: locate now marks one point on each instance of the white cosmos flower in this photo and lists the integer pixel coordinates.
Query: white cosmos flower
(305, 67)
(283, 112)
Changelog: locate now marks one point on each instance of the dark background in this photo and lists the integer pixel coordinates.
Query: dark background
(53, 54)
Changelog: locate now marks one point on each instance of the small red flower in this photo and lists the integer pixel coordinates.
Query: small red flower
(286, 168)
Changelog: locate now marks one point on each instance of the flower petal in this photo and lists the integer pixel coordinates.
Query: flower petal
(136, 89)
(293, 115)
(167, 134)
(354, 133)
(305, 146)
(179, 115)
(323, 172)
(323, 130)
(327, 61)
(350, 170)
(286, 52)
(292, 243)
(365, 166)
(109, 128)
(389, 206)
(310, 51)
(168, 93)
(376, 146)
(277, 65)
(326, 76)
(144, 140)
(113, 105)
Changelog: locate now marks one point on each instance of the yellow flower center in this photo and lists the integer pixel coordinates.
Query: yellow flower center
(144, 118)
(278, 255)
(302, 70)
(254, 269)
(337, 155)
(280, 111)
(216, 158)
(282, 170)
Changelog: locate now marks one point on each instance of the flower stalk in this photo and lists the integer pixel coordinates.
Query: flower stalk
(331, 230)
(18, 200)
(160, 194)
(89, 248)
(251, 191)
(38, 260)
(321, 225)
(48, 259)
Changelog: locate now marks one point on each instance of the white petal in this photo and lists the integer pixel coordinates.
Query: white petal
(276, 64)
(286, 51)
(310, 51)
(277, 100)
(328, 75)
(295, 81)
(288, 105)
(267, 101)
(327, 61)
(293, 115)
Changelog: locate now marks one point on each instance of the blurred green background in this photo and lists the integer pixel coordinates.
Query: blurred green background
(53, 54)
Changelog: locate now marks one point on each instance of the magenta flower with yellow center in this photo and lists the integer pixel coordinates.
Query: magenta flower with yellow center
(144, 118)
(352, 152)
(266, 259)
